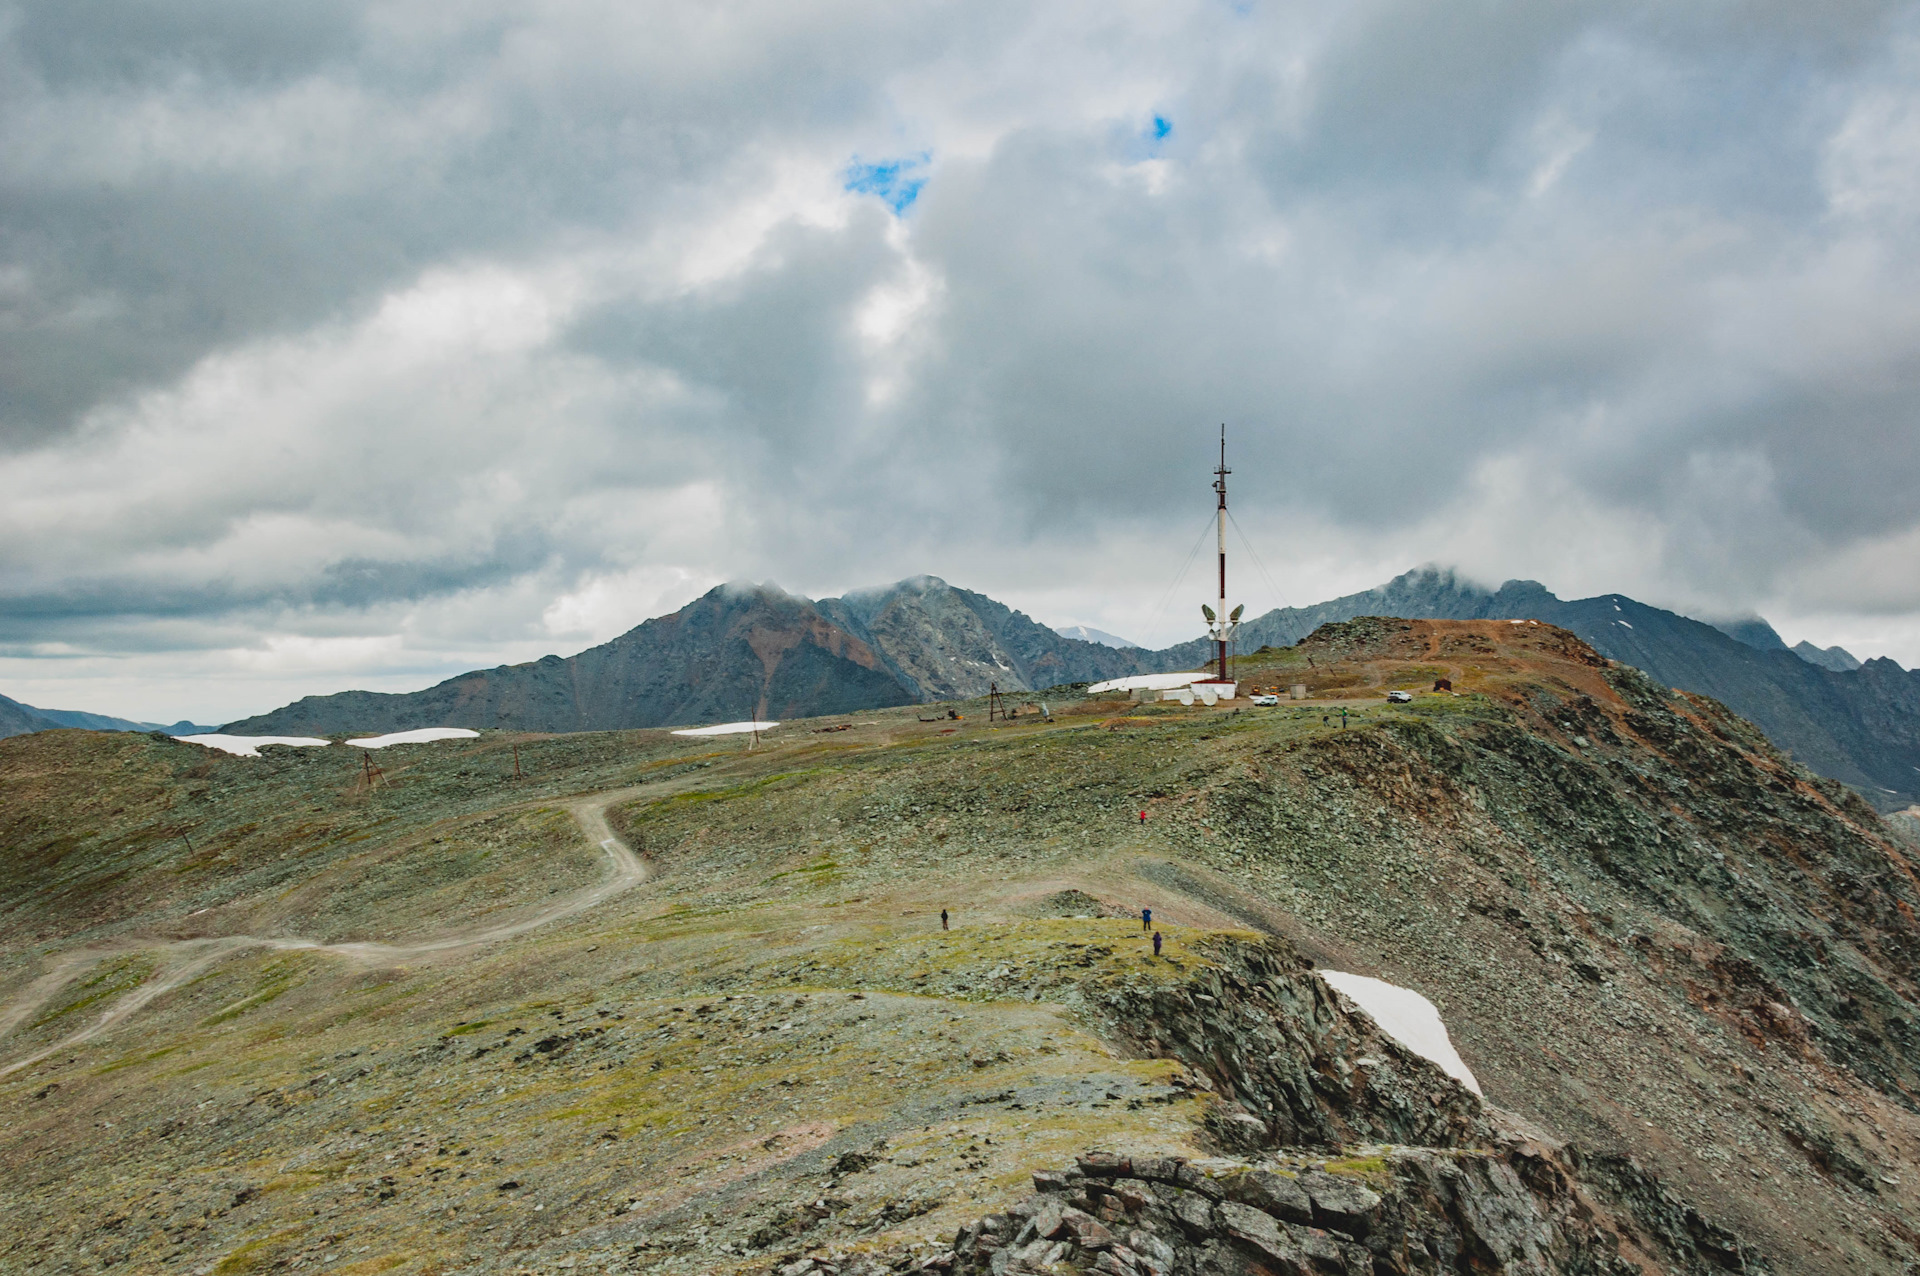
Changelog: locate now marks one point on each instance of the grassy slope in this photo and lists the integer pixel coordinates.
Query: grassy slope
(781, 995)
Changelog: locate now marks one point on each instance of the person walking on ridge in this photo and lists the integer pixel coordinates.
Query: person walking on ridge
(943, 919)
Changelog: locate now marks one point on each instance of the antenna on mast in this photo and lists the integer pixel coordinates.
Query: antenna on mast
(1220, 622)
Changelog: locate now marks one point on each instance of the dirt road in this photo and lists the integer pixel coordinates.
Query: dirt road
(186, 959)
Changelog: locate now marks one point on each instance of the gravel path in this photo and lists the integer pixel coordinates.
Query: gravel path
(186, 959)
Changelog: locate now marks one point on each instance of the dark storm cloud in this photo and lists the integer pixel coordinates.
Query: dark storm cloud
(338, 319)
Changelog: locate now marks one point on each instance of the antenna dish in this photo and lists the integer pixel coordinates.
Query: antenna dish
(1235, 618)
(1207, 612)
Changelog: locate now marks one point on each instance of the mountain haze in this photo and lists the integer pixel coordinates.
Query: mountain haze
(20, 719)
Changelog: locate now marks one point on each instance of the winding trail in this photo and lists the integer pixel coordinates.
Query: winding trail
(192, 957)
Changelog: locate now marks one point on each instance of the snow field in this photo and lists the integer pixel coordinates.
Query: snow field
(1408, 1018)
(420, 736)
(247, 746)
(728, 728)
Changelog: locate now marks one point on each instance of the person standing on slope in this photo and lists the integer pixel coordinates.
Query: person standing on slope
(1156, 943)
(943, 919)
(1146, 919)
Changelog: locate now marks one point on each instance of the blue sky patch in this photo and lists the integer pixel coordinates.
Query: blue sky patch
(895, 181)
(1161, 127)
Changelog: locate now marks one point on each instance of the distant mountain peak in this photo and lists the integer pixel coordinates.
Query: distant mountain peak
(1087, 633)
(1753, 631)
(748, 589)
(921, 584)
(1838, 659)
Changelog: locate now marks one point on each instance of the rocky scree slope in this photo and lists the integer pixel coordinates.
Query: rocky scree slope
(1656, 934)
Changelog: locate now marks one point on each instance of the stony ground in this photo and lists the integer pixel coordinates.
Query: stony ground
(1650, 935)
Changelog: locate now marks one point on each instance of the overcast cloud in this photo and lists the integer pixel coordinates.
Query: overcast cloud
(354, 344)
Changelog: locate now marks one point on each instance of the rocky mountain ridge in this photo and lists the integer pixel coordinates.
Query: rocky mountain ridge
(1860, 726)
(742, 651)
(736, 652)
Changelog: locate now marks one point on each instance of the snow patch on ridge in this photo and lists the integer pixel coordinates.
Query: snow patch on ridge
(420, 736)
(246, 746)
(728, 728)
(1408, 1018)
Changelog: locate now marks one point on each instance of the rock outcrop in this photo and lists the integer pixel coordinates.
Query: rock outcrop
(1287, 1065)
(1516, 1208)
(1390, 1210)
(1357, 1157)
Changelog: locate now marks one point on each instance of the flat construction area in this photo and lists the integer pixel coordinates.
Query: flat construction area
(688, 1005)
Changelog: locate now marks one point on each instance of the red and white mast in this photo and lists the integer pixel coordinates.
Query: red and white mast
(1219, 623)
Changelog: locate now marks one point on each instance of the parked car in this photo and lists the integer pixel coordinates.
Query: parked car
(1400, 697)
(1266, 700)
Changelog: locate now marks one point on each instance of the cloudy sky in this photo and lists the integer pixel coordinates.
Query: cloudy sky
(356, 344)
